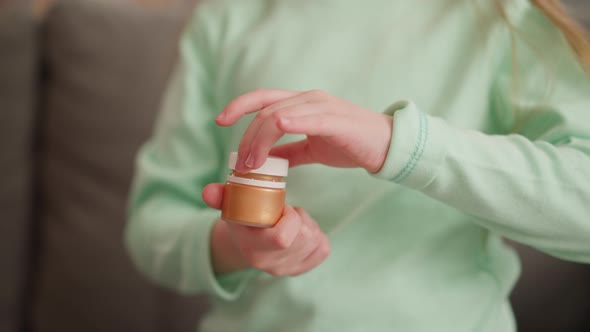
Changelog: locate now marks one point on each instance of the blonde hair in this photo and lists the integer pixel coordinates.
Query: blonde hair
(571, 29)
(574, 33)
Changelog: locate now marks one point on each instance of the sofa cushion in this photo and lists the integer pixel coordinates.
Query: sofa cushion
(580, 9)
(552, 294)
(107, 64)
(17, 94)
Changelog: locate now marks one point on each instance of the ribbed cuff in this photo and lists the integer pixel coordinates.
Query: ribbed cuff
(417, 149)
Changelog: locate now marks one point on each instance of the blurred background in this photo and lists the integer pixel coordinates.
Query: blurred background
(80, 83)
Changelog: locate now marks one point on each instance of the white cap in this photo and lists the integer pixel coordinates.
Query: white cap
(273, 166)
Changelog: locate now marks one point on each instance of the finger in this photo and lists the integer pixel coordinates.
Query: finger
(254, 150)
(285, 260)
(251, 102)
(292, 262)
(245, 161)
(213, 195)
(268, 133)
(289, 261)
(298, 153)
(319, 124)
(283, 234)
(308, 232)
(313, 254)
(253, 129)
(316, 257)
(307, 240)
(305, 217)
(277, 238)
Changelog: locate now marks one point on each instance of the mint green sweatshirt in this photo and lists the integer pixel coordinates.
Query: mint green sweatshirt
(485, 145)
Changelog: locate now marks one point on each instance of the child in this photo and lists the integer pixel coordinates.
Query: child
(487, 136)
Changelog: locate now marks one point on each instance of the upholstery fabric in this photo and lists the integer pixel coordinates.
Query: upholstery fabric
(17, 95)
(107, 64)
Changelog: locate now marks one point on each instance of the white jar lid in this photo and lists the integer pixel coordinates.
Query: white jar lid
(273, 166)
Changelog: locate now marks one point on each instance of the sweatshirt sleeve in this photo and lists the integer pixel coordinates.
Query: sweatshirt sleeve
(531, 183)
(169, 225)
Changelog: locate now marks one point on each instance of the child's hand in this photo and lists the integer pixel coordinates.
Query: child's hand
(339, 133)
(293, 246)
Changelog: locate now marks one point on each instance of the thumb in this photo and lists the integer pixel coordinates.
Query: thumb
(297, 153)
(213, 195)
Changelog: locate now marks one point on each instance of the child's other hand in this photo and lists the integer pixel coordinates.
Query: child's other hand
(339, 133)
(293, 246)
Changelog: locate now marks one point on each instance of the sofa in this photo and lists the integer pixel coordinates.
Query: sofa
(80, 84)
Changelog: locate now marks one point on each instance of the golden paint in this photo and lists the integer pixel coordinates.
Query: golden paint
(262, 177)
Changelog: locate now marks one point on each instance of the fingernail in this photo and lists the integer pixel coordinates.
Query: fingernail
(249, 161)
(240, 167)
(285, 121)
(220, 116)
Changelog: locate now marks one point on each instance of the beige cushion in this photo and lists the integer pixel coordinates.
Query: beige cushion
(17, 69)
(107, 64)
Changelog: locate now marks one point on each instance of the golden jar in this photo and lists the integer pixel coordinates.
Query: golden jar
(256, 198)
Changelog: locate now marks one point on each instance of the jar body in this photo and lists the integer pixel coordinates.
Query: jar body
(252, 205)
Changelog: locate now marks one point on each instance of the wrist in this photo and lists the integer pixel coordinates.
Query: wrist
(383, 143)
(225, 257)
